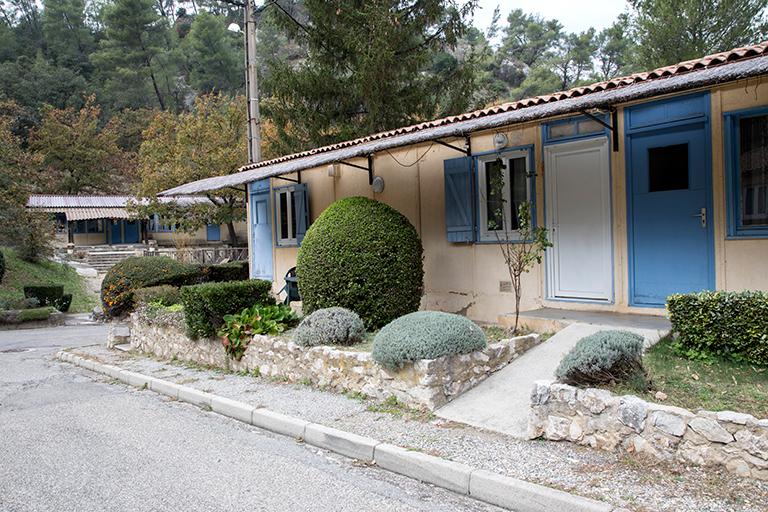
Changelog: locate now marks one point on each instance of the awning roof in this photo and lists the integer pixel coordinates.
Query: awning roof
(723, 67)
(73, 214)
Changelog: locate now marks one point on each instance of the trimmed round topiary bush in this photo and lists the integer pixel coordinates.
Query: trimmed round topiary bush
(330, 326)
(140, 272)
(426, 335)
(605, 357)
(362, 255)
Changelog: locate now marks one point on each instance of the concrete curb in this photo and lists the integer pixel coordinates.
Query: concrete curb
(499, 490)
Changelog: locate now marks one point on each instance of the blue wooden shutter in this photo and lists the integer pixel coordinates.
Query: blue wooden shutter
(459, 210)
(301, 211)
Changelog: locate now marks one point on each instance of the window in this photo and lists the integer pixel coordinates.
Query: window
(503, 185)
(668, 168)
(747, 167)
(291, 206)
(286, 220)
(572, 128)
(89, 226)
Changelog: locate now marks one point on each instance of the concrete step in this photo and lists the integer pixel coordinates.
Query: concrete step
(123, 347)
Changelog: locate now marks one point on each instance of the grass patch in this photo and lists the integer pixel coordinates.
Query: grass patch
(391, 405)
(715, 385)
(20, 273)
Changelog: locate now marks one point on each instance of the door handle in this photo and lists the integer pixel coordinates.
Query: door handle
(702, 215)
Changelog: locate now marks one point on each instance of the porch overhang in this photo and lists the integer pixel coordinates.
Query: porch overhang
(723, 68)
(75, 214)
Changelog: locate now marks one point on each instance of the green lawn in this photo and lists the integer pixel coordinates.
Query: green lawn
(19, 273)
(712, 385)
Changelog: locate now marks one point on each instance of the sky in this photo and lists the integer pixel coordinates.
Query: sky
(575, 15)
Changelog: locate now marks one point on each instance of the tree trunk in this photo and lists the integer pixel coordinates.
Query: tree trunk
(232, 234)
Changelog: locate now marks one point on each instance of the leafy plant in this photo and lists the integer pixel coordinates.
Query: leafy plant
(206, 305)
(426, 335)
(733, 325)
(239, 329)
(362, 255)
(606, 357)
(165, 295)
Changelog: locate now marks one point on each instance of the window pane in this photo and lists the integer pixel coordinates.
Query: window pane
(668, 168)
(753, 164)
(283, 215)
(562, 130)
(293, 217)
(518, 187)
(494, 189)
(589, 126)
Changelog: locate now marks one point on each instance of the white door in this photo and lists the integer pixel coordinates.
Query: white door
(578, 204)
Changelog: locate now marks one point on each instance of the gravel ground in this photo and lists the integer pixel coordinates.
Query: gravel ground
(625, 481)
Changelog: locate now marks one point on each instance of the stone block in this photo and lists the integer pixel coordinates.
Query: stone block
(339, 441)
(595, 400)
(735, 417)
(134, 379)
(194, 397)
(425, 468)
(165, 388)
(710, 430)
(670, 423)
(632, 412)
(557, 428)
(232, 409)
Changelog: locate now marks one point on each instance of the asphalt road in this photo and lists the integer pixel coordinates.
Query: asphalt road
(71, 441)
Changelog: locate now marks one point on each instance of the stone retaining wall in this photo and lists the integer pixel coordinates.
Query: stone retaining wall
(428, 383)
(600, 419)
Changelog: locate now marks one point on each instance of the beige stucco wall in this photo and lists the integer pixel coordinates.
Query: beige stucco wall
(465, 278)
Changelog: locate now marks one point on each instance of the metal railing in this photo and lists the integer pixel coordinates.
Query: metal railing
(201, 255)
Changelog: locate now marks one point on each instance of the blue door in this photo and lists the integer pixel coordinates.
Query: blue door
(213, 233)
(261, 231)
(116, 231)
(131, 233)
(669, 205)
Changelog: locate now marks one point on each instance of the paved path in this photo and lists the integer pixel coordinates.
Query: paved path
(502, 402)
(70, 443)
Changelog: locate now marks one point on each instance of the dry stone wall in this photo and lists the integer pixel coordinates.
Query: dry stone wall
(429, 383)
(600, 419)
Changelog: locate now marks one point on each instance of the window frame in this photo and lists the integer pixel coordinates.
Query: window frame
(574, 121)
(483, 235)
(291, 241)
(732, 146)
(87, 224)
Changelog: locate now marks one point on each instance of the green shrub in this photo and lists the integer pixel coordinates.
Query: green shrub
(165, 295)
(35, 314)
(362, 255)
(426, 335)
(30, 303)
(721, 324)
(46, 295)
(2, 266)
(234, 271)
(605, 357)
(205, 305)
(140, 272)
(330, 326)
(238, 329)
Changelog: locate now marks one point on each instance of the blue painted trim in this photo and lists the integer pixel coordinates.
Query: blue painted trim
(732, 139)
(253, 193)
(547, 139)
(675, 120)
(529, 149)
(693, 119)
(274, 202)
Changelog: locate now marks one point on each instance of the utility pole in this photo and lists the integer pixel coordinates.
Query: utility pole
(252, 84)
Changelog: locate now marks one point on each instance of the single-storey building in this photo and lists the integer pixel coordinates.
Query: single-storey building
(649, 184)
(93, 220)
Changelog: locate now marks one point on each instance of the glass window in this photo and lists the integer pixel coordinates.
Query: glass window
(286, 220)
(504, 186)
(668, 168)
(562, 130)
(753, 170)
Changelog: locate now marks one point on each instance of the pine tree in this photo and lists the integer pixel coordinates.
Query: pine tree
(214, 56)
(369, 68)
(67, 38)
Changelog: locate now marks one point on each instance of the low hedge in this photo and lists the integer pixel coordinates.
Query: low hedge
(2, 266)
(205, 305)
(722, 324)
(425, 335)
(165, 295)
(234, 271)
(140, 272)
(49, 295)
(17, 316)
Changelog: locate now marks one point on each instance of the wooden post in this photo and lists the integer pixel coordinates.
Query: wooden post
(252, 84)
